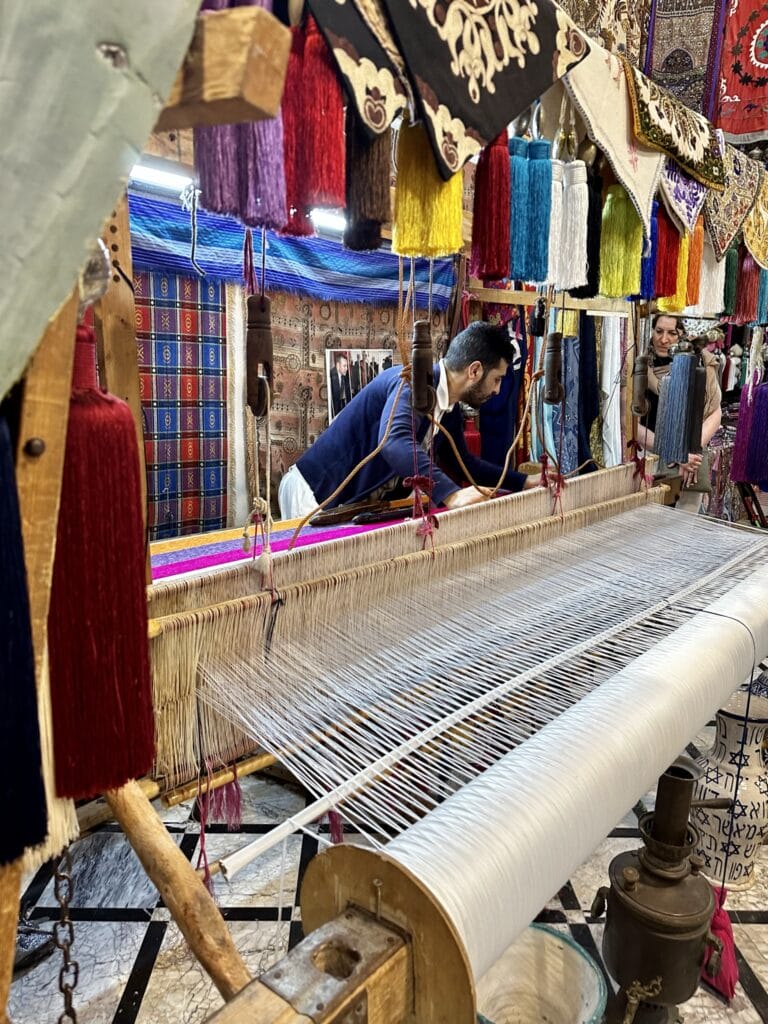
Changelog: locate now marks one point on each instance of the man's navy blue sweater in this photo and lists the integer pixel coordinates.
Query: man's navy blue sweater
(359, 428)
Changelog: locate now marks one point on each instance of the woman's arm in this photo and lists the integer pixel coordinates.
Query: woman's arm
(645, 437)
(710, 425)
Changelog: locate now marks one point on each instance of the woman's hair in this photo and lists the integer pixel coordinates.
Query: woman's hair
(679, 324)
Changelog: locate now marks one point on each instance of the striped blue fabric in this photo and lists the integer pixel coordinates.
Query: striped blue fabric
(161, 241)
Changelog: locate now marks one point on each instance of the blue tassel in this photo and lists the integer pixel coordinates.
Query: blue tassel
(21, 791)
(648, 266)
(762, 298)
(674, 427)
(519, 210)
(540, 204)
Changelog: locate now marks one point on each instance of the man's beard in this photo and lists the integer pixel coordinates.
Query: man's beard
(475, 395)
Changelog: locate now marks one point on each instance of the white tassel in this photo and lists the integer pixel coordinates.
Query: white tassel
(555, 223)
(711, 285)
(573, 254)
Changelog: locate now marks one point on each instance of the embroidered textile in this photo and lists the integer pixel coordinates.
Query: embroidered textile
(181, 341)
(742, 106)
(756, 226)
(682, 47)
(598, 88)
(618, 25)
(565, 428)
(684, 197)
(476, 70)
(368, 60)
(725, 212)
(666, 124)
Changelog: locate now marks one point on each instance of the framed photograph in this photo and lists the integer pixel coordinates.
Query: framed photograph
(348, 370)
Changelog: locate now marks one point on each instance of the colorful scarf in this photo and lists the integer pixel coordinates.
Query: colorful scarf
(725, 212)
(742, 108)
(684, 197)
(664, 123)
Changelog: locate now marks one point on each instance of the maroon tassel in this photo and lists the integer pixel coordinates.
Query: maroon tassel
(668, 249)
(490, 219)
(224, 804)
(298, 222)
(322, 130)
(747, 288)
(336, 823)
(101, 688)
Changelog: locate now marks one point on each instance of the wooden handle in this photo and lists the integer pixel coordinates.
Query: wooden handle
(259, 355)
(422, 374)
(640, 386)
(553, 387)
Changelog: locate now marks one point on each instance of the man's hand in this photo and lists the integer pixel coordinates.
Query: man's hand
(465, 496)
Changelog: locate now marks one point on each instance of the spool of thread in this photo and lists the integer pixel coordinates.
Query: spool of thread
(519, 209)
(259, 355)
(640, 386)
(553, 363)
(491, 212)
(422, 372)
(575, 209)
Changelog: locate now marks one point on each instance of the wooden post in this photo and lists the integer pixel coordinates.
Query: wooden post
(115, 322)
(189, 902)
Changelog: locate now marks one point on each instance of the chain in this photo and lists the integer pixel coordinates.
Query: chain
(64, 936)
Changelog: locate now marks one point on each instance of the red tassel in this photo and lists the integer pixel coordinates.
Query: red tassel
(293, 145)
(747, 288)
(726, 977)
(97, 624)
(322, 129)
(490, 219)
(665, 282)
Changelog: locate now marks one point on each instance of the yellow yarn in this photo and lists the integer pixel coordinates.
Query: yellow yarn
(676, 303)
(621, 246)
(695, 258)
(567, 322)
(428, 210)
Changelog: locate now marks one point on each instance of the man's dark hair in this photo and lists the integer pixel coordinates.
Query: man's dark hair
(479, 341)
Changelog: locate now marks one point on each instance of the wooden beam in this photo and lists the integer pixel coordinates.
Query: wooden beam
(234, 70)
(115, 323)
(525, 298)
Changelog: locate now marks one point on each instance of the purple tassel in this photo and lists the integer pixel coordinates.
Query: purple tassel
(741, 442)
(757, 452)
(337, 827)
(216, 164)
(262, 173)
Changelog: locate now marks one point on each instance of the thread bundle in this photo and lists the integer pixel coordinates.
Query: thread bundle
(428, 210)
(297, 219)
(731, 274)
(97, 624)
(711, 283)
(757, 450)
(21, 791)
(491, 213)
(594, 227)
(518, 209)
(747, 292)
(555, 223)
(676, 302)
(621, 246)
(367, 184)
(673, 419)
(669, 251)
(575, 208)
(540, 202)
(322, 134)
(648, 266)
(743, 432)
(695, 258)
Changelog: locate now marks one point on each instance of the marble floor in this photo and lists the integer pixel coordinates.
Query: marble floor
(135, 967)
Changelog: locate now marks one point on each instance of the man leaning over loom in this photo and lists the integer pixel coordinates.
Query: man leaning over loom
(471, 372)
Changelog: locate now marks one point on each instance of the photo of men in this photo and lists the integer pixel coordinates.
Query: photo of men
(348, 371)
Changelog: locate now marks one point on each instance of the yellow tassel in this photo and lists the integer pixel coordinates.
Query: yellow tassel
(428, 210)
(695, 257)
(676, 303)
(567, 322)
(621, 246)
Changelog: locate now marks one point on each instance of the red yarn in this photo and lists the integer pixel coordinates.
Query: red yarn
(747, 288)
(727, 977)
(293, 146)
(322, 128)
(101, 688)
(665, 282)
(490, 218)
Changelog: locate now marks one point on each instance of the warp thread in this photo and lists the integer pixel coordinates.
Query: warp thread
(101, 687)
(594, 228)
(695, 257)
(575, 208)
(22, 791)
(673, 427)
(669, 251)
(731, 277)
(322, 133)
(743, 431)
(676, 302)
(648, 266)
(428, 211)
(757, 451)
(369, 162)
(491, 212)
(540, 202)
(621, 246)
(555, 223)
(298, 222)
(518, 209)
(747, 291)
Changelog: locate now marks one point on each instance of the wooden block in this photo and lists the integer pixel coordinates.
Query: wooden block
(234, 70)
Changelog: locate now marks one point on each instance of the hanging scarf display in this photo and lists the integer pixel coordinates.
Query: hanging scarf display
(756, 226)
(662, 122)
(683, 195)
(726, 211)
(680, 48)
(476, 71)
(598, 88)
(621, 246)
(491, 213)
(742, 105)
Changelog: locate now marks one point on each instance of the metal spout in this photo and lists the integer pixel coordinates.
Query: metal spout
(673, 803)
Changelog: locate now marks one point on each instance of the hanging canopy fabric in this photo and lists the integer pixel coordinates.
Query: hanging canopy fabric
(162, 238)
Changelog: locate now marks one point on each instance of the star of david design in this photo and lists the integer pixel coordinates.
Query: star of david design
(739, 810)
(729, 849)
(762, 784)
(738, 758)
(712, 774)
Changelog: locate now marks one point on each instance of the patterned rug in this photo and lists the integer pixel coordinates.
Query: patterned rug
(725, 212)
(742, 110)
(681, 48)
(181, 341)
(663, 122)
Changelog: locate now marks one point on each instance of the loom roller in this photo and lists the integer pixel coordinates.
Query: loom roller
(459, 900)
